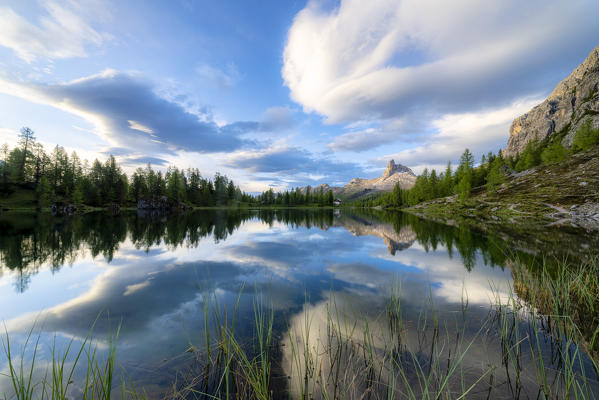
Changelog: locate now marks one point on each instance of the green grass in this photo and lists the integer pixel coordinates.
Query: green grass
(20, 199)
(57, 382)
(534, 342)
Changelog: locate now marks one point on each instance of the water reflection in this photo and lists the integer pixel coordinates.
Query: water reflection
(30, 241)
(153, 274)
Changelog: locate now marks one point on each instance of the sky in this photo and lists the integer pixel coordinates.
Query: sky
(283, 93)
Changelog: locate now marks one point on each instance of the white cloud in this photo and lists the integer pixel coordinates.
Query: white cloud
(59, 33)
(139, 127)
(127, 112)
(278, 118)
(390, 58)
(481, 132)
(222, 79)
(363, 140)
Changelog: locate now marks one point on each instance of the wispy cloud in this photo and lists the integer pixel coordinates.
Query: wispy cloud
(129, 114)
(363, 140)
(278, 118)
(60, 32)
(392, 59)
(481, 132)
(426, 64)
(295, 166)
(222, 79)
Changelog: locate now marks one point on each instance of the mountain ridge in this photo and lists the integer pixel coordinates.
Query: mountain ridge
(358, 187)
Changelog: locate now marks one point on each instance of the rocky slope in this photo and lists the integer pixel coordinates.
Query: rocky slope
(572, 102)
(358, 187)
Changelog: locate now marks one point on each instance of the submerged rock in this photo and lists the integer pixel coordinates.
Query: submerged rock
(60, 209)
(154, 203)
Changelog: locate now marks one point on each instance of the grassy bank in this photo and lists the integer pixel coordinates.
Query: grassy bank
(532, 343)
(25, 200)
(549, 205)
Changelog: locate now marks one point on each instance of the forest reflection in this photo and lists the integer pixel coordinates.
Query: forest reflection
(29, 242)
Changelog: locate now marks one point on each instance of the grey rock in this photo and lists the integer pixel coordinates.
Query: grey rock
(357, 187)
(154, 203)
(572, 102)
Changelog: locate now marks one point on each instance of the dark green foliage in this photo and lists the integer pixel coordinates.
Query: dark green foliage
(491, 172)
(44, 193)
(58, 176)
(26, 139)
(464, 186)
(495, 176)
(585, 137)
(429, 186)
(554, 153)
(297, 197)
(530, 157)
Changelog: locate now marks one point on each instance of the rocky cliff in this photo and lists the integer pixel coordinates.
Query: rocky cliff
(357, 187)
(395, 173)
(572, 102)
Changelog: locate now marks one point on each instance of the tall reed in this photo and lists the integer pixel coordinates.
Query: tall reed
(534, 342)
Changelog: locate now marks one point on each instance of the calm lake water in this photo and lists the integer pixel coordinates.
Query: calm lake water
(154, 274)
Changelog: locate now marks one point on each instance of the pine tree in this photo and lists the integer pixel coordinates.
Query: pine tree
(465, 185)
(4, 152)
(26, 138)
(78, 192)
(495, 177)
(447, 181)
(330, 198)
(44, 193)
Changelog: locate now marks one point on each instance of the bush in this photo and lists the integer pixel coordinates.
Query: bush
(530, 157)
(585, 137)
(553, 153)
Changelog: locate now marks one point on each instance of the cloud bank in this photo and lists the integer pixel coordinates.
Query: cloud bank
(129, 114)
(297, 165)
(393, 58)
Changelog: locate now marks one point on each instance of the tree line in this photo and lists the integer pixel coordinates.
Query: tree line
(30, 241)
(490, 173)
(297, 197)
(58, 176)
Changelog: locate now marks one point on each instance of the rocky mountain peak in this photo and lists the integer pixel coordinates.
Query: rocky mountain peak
(393, 168)
(572, 102)
(357, 187)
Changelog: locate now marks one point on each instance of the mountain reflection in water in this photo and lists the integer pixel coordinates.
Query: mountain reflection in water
(152, 273)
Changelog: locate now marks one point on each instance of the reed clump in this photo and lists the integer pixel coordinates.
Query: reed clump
(533, 342)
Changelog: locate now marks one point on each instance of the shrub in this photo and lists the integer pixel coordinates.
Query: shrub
(585, 137)
(553, 153)
(530, 157)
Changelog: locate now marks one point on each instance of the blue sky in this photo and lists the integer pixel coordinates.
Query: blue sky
(283, 93)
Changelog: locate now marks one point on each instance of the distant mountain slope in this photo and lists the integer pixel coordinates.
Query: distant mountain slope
(572, 102)
(358, 187)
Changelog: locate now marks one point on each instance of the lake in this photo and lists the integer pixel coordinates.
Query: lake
(362, 303)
